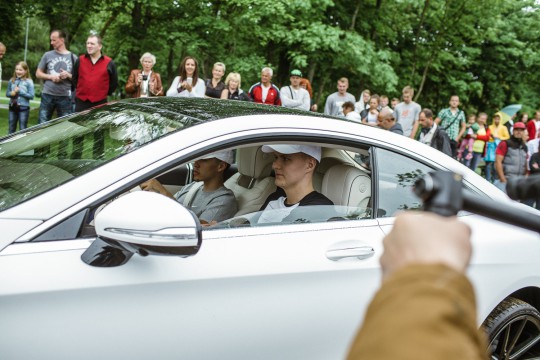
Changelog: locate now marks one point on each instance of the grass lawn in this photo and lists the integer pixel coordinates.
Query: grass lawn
(4, 101)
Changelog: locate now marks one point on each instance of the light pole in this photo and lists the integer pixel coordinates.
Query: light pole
(26, 39)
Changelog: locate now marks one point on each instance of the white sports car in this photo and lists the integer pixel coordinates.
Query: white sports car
(91, 268)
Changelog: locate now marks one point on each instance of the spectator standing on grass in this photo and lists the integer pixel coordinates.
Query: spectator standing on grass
(387, 121)
(56, 71)
(2, 53)
(214, 86)
(481, 138)
(264, 92)
(188, 83)
(294, 96)
(232, 88)
(94, 77)
(20, 91)
(369, 116)
(533, 125)
(394, 102)
(452, 120)
(145, 82)
(383, 102)
(350, 113)
(431, 134)
(363, 102)
(511, 157)
(498, 132)
(335, 101)
(407, 113)
(534, 165)
(305, 84)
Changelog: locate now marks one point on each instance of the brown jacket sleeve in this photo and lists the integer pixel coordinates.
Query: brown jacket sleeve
(156, 87)
(421, 312)
(131, 88)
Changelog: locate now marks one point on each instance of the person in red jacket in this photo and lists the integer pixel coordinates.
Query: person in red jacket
(94, 78)
(481, 138)
(533, 126)
(264, 92)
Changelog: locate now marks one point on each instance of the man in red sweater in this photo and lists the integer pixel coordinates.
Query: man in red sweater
(94, 78)
(264, 92)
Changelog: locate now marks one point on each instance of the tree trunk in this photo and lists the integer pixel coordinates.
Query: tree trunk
(417, 35)
(355, 15)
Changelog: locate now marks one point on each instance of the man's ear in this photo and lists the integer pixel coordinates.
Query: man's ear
(311, 163)
(222, 166)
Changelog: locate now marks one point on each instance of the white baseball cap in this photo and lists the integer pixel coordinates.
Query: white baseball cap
(313, 151)
(224, 155)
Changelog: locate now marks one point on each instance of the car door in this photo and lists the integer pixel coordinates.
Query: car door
(285, 291)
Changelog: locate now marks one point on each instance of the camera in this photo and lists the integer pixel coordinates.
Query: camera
(144, 77)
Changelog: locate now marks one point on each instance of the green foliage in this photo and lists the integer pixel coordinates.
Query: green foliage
(483, 50)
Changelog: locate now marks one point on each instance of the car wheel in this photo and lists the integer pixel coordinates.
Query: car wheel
(513, 330)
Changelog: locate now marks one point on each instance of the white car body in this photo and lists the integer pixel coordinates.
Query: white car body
(249, 293)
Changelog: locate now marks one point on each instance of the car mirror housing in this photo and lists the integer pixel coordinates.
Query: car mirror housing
(143, 223)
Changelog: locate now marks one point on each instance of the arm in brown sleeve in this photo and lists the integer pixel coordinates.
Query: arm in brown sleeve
(131, 84)
(421, 312)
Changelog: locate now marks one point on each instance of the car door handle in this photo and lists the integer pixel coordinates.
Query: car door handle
(359, 252)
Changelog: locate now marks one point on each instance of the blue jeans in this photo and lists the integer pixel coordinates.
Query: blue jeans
(490, 170)
(475, 160)
(49, 103)
(20, 117)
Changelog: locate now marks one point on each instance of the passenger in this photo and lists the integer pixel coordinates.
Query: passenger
(294, 166)
(207, 197)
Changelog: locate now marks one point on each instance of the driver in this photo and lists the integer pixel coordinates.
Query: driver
(294, 166)
(207, 196)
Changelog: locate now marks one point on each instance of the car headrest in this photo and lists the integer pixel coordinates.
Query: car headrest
(254, 163)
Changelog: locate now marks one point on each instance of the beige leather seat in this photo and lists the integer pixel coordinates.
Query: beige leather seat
(347, 186)
(253, 183)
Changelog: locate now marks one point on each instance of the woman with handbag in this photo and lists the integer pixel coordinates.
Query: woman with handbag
(145, 82)
(20, 91)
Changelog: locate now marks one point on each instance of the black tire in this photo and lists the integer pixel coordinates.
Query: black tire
(513, 330)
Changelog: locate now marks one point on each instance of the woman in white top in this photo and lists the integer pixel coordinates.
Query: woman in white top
(369, 116)
(188, 83)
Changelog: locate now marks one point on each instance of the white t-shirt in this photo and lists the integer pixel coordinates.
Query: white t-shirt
(354, 116)
(265, 92)
(276, 211)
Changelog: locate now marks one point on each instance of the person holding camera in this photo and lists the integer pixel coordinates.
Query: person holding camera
(188, 83)
(145, 82)
(20, 91)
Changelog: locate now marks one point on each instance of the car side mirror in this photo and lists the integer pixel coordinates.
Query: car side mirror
(143, 223)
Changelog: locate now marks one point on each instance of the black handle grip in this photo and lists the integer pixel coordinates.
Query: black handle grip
(523, 188)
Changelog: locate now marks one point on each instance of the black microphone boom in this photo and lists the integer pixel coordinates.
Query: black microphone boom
(523, 188)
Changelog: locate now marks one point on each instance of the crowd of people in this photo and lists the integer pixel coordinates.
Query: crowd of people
(74, 83)
(410, 281)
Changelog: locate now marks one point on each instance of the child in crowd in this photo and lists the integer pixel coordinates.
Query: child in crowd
(20, 90)
(465, 151)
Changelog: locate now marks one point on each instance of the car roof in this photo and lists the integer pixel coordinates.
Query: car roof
(203, 109)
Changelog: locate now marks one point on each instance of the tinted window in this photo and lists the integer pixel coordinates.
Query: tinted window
(397, 175)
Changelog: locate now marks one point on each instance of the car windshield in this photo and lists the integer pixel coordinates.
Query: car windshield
(46, 156)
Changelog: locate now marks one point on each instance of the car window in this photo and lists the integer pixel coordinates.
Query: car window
(299, 215)
(396, 177)
(44, 157)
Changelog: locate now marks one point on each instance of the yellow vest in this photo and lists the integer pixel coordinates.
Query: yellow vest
(478, 145)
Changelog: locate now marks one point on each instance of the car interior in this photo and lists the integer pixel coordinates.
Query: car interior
(342, 176)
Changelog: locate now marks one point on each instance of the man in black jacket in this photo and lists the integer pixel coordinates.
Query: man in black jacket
(431, 134)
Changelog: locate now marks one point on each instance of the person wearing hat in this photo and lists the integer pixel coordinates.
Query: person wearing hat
(294, 166)
(511, 156)
(294, 96)
(207, 197)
